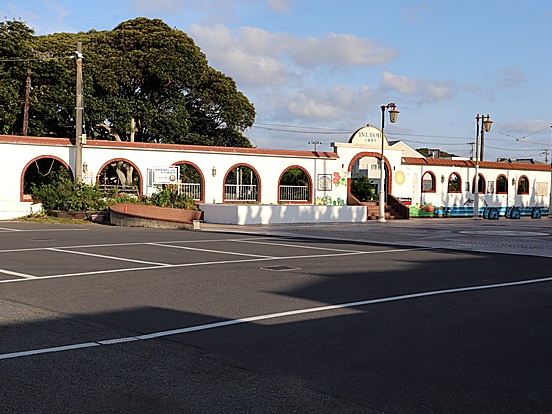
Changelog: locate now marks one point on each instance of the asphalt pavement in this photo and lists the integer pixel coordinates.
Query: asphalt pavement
(418, 316)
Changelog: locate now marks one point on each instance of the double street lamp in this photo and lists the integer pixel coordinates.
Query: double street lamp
(485, 126)
(393, 113)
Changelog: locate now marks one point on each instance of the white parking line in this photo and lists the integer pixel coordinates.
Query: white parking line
(210, 263)
(23, 275)
(221, 324)
(103, 256)
(207, 250)
(295, 246)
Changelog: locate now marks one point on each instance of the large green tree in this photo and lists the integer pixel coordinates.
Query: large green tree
(143, 81)
(15, 54)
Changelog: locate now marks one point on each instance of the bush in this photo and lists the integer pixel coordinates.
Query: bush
(364, 190)
(64, 194)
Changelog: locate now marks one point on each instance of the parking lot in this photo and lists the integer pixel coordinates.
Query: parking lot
(425, 316)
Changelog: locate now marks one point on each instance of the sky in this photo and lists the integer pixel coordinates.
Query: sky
(316, 71)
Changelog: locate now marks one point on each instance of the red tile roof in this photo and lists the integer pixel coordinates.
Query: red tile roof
(441, 162)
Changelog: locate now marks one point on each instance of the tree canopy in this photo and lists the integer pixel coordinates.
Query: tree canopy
(143, 81)
(432, 153)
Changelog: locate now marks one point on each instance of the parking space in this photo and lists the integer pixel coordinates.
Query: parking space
(149, 320)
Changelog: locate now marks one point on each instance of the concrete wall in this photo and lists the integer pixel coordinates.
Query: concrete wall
(248, 214)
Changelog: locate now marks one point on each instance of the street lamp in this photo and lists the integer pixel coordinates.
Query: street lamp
(393, 113)
(486, 124)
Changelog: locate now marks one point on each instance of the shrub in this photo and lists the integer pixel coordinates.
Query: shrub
(64, 194)
(364, 189)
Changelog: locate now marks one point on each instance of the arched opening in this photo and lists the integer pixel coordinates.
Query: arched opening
(120, 176)
(523, 185)
(295, 186)
(480, 186)
(365, 177)
(428, 182)
(191, 182)
(501, 184)
(454, 183)
(42, 171)
(241, 184)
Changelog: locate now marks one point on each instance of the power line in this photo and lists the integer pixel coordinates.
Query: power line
(544, 129)
(35, 59)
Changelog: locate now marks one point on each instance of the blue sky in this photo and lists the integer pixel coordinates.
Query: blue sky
(319, 70)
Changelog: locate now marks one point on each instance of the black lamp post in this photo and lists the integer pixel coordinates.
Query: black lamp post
(393, 113)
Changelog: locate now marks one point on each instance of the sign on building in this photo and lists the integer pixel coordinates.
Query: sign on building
(164, 175)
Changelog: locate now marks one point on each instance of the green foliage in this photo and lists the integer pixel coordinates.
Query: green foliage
(169, 198)
(64, 194)
(442, 154)
(363, 189)
(294, 176)
(15, 47)
(143, 81)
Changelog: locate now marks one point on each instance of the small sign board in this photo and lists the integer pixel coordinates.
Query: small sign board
(165, 175)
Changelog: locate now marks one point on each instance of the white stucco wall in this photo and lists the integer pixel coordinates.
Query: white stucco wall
(249, 214)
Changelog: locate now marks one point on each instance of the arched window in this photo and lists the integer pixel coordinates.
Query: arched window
(42, 171)
(454, 183)
(501, 184)
(428, 182)
(242, 184)
(120, 176)
(523, 185)
(191, 180)
(481, 185)
(295, 186)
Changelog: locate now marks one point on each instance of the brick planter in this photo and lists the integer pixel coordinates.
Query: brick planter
(136, 215)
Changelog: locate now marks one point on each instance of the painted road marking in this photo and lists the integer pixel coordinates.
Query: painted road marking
(210, 263)
(207, 250)
(24, 275)
(40, 230)
(85, 246)
(300, 246)
(103, 256)
(221, 324)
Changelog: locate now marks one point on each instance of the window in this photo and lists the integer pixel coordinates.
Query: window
(454, 183)
(501, 184)
(428, 182)
(480, 186)
(523, 185)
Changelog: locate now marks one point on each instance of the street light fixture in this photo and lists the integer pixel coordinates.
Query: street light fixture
(486, 124)
(393, 113)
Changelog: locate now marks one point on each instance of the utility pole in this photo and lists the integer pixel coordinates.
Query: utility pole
(78, 117)
(315, 143)
(26, 107)
(472, 150)
(545, 152)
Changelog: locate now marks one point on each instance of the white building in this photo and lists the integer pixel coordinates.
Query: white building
(245, 185)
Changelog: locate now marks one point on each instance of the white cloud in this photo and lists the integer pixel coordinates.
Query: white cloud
(339, 50)
(437, 92)
(401, 84)
(278, 6)
(511, 78)
(528, 127)
(51, 21)
(241, 58)
(306, 107)
(255, 56)
(428, 91)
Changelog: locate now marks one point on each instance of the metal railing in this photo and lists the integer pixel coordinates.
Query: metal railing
(190, 190)
(294, 193)
(112, 188)
(234, 192)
